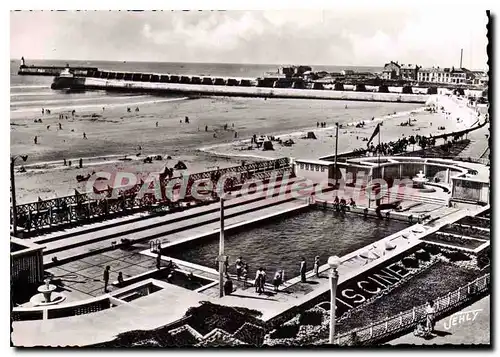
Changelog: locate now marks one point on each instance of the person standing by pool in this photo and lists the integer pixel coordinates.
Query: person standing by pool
(226, 266)
(120, 278)
(158, 260)
(278, 280)
(244, 274)
(263, 280)
(258, 278)
(239, 266)
(105, 277)
(430, 312)
(316, 266)
(303, 268)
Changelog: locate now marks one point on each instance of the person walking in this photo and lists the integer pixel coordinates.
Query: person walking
(303, 268)
(430, 313)
(105, 277)
(239, 267)
(316, 266)
(35, 140)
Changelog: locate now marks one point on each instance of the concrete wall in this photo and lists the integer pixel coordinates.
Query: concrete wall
(255, 91)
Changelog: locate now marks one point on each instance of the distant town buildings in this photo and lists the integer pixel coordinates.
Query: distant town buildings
(412, 72)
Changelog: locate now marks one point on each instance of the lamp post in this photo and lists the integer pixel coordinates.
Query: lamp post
(13, 191)
(333, 262)
(336, 148)
(221, 249)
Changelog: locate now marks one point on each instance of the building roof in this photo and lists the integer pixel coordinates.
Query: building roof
(409, 66)
(393, 64)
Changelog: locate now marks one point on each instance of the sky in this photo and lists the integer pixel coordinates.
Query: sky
(352, 37)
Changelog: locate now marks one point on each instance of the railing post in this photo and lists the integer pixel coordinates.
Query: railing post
(401, 319)
(371, 330)
(458, 298)
(468, 289)
(413, 314)
(386, 326)
(449, 298)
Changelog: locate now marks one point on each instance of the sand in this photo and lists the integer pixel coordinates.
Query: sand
(116, 133)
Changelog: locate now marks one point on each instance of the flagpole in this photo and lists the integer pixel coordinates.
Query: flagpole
(336, 146)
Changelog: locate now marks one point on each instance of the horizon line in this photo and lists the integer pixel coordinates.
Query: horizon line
(197, 62)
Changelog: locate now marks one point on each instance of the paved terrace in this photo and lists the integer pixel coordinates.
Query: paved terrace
(171, 303)
(140, 231)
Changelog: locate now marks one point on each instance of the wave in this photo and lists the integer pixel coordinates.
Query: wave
(47, 102)
(100, 105)
(30, 86)
(24, 94)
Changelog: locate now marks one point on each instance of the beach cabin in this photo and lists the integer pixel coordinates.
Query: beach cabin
(314, 170)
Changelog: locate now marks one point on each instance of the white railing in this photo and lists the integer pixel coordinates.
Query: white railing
(409, 318)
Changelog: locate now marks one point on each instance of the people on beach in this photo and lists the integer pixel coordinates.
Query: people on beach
(64, 162)
(206, 127)
(136, 109)
(105, 277)
(35, 140)
(157, 124)
(84, 135)
(316, 266)
(303, 269)
(186, 120)
(48, 127)
(60, 126)
(43, 111)
(80, 163)
(73, 113)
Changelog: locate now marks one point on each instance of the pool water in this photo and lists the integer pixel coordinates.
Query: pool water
(282, 243)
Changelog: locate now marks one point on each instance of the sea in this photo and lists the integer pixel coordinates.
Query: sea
(31, 93)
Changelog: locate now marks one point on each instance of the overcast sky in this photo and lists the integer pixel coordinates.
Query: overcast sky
(423, 35)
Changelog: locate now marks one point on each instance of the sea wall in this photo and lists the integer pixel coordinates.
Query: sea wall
(215, 90)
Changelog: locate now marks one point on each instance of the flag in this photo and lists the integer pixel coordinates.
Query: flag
(375, 133)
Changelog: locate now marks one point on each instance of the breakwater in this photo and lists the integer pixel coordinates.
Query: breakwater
(87, 83)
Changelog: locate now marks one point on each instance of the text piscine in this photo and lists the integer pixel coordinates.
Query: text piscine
(361, 288)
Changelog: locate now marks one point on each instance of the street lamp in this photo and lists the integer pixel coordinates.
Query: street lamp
(333, 262)
(13, 191)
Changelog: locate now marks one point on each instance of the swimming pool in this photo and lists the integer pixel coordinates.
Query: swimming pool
(282, 243)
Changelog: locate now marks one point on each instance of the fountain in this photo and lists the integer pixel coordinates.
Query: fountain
(47, 295)
(420, 180)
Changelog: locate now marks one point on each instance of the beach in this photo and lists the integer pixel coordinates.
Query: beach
(109, 138)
